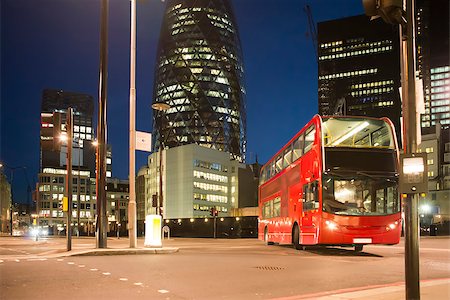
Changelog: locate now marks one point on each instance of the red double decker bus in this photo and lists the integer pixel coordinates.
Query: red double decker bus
(334, 183)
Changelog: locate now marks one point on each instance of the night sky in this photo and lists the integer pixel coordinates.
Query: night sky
(55, 44)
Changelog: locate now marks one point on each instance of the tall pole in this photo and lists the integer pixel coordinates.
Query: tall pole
(101, 237)
(132, 232)
(160, 200)
(410, 146)
(69, 178)
(78, 191)
(11, 205)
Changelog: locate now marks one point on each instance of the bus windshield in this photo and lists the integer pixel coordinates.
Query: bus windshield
(360, 195)
(356, 133)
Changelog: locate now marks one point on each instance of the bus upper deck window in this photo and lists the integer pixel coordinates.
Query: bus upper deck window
(297, 148)
(309, 138)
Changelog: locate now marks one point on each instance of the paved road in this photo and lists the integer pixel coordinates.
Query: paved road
(205, 269)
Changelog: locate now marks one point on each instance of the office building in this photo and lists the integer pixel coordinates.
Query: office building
(359, 69)
(433, 62)
(196, 179)
(199, 74)
(52, 176)
(437, 201)
(5, 204)
(117, 198)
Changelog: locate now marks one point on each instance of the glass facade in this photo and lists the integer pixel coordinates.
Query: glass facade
(199, 74)
(359, 69)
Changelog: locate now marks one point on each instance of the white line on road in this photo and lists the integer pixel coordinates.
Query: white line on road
(163, 291)
(36, 259)
(1, 261)
(106, 273)
(123, 279)
(70, 263)
(59, 259)
(138, 283)
(81, 266)
(94, 269)
(17, 260)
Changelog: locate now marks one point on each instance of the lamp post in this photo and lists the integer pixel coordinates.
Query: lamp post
(132, 231)
(160, 107)
(101, 222)
(69, 130)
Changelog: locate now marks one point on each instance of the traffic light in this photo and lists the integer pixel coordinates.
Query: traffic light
(391, 11)
(213, 212)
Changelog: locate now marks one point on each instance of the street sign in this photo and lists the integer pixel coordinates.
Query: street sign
(413, 173)
(143, 141)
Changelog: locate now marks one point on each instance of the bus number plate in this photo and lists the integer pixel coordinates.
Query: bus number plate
(362, 241)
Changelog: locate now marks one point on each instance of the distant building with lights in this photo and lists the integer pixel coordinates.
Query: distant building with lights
(359, 69)
(199, 73)
(437, 147)
(433, 62)
(5, 204)
(196, 179)
(53, 153)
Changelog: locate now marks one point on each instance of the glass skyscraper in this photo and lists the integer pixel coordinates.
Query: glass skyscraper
(199, 74)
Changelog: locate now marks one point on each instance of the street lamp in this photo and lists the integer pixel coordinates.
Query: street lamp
(68, 137)
(160, 107)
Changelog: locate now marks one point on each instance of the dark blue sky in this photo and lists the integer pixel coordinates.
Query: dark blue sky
(55, 44)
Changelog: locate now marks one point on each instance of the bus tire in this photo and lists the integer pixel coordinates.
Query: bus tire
(358, 248)
(266, 237)
(296, 238)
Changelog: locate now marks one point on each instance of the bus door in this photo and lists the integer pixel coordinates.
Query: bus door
(308, 230)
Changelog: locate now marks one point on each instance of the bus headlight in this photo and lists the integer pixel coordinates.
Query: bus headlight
(331, 225)
(391, 226)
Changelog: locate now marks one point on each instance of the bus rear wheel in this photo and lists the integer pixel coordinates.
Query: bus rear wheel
(358, 248)
(296, 238)
(266, 237)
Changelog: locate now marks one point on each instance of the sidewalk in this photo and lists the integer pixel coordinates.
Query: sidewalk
(83, 246)
(433, 289)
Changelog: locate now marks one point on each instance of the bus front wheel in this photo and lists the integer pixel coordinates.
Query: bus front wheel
(358, 248)
(296, 238)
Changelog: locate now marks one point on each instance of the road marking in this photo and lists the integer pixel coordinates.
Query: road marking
(1, 261)
(106, 273)
(70, 263)
(59, 259)
(81, 266)
(94, 269)
(123, 279)
(17, 260)
(163, 291)
(138, 283)
(36, 259)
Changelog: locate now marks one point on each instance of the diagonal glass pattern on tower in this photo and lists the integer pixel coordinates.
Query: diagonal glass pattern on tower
(199, 73)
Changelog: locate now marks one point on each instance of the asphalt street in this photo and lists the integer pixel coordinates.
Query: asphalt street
(206, 269)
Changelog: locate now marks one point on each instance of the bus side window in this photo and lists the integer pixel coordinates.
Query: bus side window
(309, 138)
(311, 197)
(278, 163)
(297, 148)
(287, 156)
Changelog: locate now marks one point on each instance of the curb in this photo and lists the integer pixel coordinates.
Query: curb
(104, 252)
